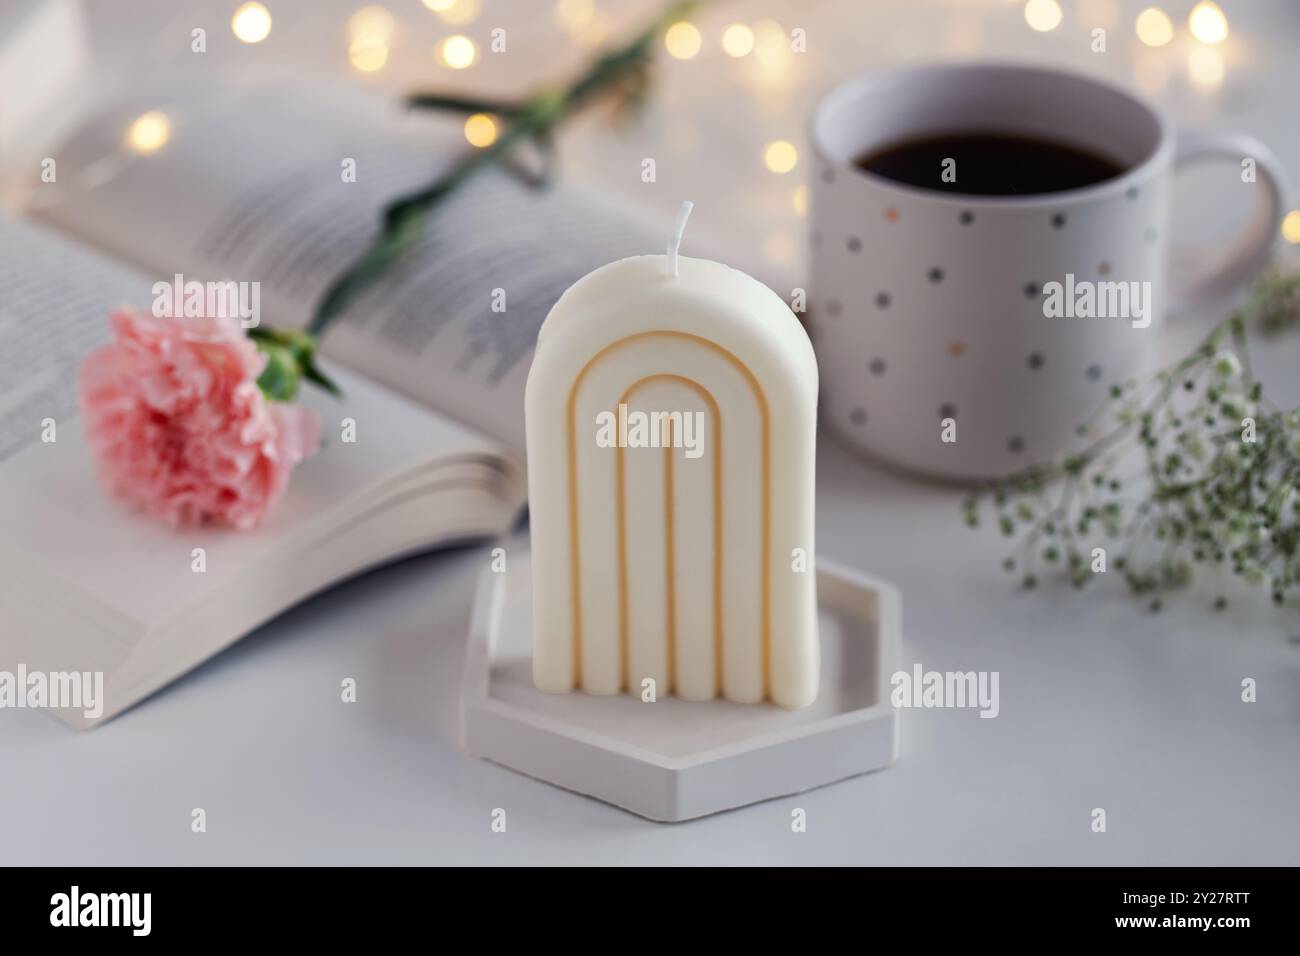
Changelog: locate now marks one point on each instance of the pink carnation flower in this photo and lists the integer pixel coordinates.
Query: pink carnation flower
(179, 426)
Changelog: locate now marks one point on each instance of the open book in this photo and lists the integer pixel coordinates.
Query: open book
(278, 185)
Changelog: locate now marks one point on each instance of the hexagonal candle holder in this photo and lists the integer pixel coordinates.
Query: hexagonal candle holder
(671, 759)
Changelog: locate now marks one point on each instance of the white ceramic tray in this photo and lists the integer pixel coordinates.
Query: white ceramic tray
(673, 759)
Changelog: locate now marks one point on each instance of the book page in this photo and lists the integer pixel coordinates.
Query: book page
(50, 319)
(284, 185)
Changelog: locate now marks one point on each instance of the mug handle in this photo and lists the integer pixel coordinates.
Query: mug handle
(1205, 276)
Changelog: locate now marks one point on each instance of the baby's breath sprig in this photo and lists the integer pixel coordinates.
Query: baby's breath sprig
(1274, 304)
(1196, 477)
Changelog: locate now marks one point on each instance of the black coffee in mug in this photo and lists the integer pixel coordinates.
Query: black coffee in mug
(989, 164)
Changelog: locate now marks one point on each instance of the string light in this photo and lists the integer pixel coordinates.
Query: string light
(1291, 226)
(480, 130)
(251, 22)
(800, 201)
(1151, 71)
(1043, 15)
(1205, 67)
(150, 132)
(370, 22)
(780, 156)
(772, 46)
(459, 52)
(1207, 22)
(778, 247)
(368, 54)
(573, 15)
(371, 30)
(683, 40)
(594, 32)
(1099, 13)
(737, 40)
(458, 12)
(1154, 28)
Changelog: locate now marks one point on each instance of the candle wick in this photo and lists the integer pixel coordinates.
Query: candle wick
(675, 240)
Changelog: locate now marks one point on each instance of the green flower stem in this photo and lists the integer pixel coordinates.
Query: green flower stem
(460, 104)
(533, 120)
(290, 358)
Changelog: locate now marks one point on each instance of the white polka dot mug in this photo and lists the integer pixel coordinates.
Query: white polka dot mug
(967, 336)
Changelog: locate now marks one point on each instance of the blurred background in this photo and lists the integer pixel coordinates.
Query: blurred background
(727, 89)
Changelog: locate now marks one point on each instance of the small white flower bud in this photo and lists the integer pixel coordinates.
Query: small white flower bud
(1227, 365)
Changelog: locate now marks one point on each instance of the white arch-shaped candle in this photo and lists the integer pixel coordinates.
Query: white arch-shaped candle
(694, 570)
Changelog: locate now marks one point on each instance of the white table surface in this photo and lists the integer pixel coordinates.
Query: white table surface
(1102, 704)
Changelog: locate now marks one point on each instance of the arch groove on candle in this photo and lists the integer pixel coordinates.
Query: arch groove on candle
(670, 538)
(764, 470)
(625, 586)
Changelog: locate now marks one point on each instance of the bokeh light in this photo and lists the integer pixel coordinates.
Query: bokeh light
(1151, 72)
(683, 40)
(374, 21)
(1153, 26)
(573, 15)
(370, 30)
(737, 40)
(368, 53)
(1043, 15)
(772, 46)
(458, 12)
(150, 132)
(780, 156)
(1291, 226)
(800, 201)
(1207, 22)
(779, 247)
(1205, 67)
(251, 22)
(458, 52)
(594, 32)
(480, 130)
(1099, 13)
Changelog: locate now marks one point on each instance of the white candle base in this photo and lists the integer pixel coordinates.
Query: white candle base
(676, 759)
